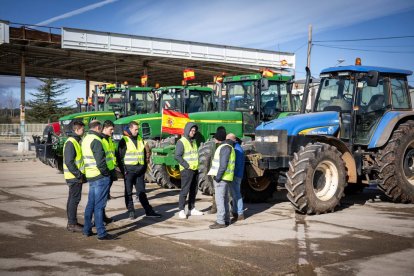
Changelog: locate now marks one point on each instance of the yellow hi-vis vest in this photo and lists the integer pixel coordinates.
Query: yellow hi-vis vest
(134, 155)
(109, 148)
(91, 169)
(78, 159)
(190, 154)
(229, 173)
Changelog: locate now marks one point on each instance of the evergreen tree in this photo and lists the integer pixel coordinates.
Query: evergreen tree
(47, 104)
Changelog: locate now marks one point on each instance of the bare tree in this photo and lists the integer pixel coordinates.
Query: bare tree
(11, 102)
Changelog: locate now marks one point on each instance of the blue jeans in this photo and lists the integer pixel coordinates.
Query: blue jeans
(222, 201)
(97, 197)
(234, 188)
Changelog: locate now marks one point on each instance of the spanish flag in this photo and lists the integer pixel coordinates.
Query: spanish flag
(173, 122)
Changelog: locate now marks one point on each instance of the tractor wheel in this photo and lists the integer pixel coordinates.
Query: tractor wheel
(258, 189)
(164, 175)
(161, 176)
(149, 177)
(205, 155)
(316, 179)
(396, 162)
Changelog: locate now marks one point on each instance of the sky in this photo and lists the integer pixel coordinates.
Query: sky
(278, 25)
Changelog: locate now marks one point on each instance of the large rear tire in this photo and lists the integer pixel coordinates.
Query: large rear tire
(205, 155)
(161, 173)
(149, 176)
(396, 162)
(316, 179)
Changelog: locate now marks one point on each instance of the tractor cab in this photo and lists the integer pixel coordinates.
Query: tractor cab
(189, 99)
(362, 95)
(259, 98)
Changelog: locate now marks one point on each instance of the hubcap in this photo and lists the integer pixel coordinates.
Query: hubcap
(259, 183)
(408, 165)
(325, 180)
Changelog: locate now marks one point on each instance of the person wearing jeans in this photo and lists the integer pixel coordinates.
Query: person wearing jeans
(234, 187)
(222, 171)
(98, 175)
(97, 198)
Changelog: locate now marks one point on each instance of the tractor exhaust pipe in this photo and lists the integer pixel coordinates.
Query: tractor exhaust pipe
(306, 90)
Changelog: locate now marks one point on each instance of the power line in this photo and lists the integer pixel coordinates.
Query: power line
(365, 50)
(365, 39)
(376, 46)
(304, 44)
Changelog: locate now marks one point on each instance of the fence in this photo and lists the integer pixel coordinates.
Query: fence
(10, 133)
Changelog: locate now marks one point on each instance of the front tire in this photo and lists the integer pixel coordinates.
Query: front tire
(396, 163)
(258, 189)
(205, 155)
(316, 179)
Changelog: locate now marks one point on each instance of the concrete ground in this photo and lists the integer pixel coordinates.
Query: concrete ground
(366, 236)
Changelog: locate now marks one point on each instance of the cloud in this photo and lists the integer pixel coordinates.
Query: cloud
(76, 12)
(261, 24)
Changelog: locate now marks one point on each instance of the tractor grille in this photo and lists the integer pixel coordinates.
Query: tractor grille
(271, 142)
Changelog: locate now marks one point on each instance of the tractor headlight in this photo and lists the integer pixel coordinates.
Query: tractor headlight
(271, 139)
(117, 137)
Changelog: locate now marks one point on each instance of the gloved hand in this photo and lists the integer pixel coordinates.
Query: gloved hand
(114, 177)
(83, 179)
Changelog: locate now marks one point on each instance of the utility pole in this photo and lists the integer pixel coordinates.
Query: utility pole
(309, 46)
(22, 96)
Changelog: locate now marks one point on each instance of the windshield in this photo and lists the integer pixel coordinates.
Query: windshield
(141, 102)
(240, 96)
(276, 99)
(335, 94)
(113, 101)
(197, 101)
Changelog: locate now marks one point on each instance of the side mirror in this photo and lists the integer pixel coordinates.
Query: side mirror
(372, 78)
(186, 93)
(264, 84)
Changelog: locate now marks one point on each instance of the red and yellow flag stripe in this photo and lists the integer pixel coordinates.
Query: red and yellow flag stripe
(173, 122)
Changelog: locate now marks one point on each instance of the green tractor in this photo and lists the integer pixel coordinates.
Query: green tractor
(178, 98)
(117, 101)
(249, 100)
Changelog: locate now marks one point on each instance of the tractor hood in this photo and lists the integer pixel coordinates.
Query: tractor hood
(320, 123)
(138, 118)
(86, 115)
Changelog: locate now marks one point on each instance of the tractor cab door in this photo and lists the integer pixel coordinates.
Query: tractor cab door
(335, 94)
(372, 102)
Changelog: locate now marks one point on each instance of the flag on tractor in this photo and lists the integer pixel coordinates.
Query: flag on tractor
(173, 122)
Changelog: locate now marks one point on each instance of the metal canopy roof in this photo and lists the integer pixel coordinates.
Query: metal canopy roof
(89, 55)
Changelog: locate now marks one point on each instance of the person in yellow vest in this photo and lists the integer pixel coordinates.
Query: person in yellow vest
(222, 171)
(74, 173)
(109, 147)
(186, 154)
(98, 175)
(133, 157)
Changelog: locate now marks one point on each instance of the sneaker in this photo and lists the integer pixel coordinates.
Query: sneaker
(108, 237)
(216, 225)
(74, 228)
(131, 215)
(182, 214)
(152, 214)
(240, 217)
(195, 212)
(234, 215)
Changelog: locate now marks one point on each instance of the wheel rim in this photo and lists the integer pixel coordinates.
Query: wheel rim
(259, 183)
(408, 163)
(173, 172)
(325, 180)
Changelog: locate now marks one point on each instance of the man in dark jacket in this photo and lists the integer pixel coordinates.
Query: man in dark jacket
(222, 171)
(133, 157)
(74, 173)
(109, 147)
(186, 154)
(98, 175)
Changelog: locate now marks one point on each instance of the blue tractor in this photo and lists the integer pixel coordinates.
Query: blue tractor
(360, 131)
